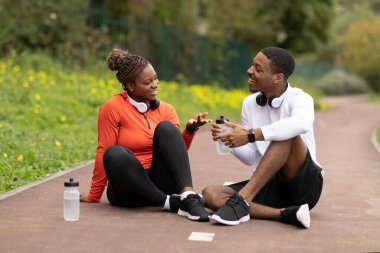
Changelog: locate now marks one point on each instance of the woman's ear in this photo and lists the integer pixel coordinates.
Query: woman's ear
(129, 87)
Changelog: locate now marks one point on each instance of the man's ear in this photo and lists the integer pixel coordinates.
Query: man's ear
(278, 78)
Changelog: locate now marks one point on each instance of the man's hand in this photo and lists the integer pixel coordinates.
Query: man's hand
(236, 137)
(216, 131)
(198, 121)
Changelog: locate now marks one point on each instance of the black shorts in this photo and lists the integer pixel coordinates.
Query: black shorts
(305, 188)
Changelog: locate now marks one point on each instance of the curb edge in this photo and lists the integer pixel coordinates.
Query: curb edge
(28, 186)
(374, 141)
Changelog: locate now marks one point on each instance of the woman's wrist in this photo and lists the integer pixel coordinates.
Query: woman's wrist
(191, 130)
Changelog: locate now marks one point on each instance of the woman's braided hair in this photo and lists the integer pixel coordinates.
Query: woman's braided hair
(128, 65)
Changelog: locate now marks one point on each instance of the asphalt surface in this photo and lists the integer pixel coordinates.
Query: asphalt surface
(346, 219)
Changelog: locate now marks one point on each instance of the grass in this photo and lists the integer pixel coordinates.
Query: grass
(375, 98)
(48, 116)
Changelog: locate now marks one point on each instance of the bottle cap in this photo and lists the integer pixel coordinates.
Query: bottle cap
(220, 120)
(71, 183)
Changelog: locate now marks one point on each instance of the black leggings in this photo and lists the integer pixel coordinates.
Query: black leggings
(130, 185)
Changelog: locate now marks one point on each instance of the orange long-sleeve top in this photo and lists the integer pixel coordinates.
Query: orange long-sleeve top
(119, 123)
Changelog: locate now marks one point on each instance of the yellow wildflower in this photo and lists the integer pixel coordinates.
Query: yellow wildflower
(16, 68)
(31, 79)
(20, 158)
(62, 119)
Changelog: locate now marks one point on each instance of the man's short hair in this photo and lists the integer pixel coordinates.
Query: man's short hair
(281, 60)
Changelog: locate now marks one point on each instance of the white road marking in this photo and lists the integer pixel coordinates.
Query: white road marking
(200, 236)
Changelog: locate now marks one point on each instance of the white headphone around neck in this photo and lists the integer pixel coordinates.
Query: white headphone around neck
(140, 106)
(144, 107)
(274, 102)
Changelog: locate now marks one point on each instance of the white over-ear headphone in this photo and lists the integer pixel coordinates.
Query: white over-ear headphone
(274, 102)
(140, 106)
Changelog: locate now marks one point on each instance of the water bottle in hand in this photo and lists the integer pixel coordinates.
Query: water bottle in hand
(222, 149)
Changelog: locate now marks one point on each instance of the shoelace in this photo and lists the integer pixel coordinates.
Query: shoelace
(235, 200)
(194, 199)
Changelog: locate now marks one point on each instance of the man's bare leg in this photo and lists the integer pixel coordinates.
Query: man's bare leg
(289, 156)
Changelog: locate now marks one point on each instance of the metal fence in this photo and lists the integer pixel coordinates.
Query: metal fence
(178, 54)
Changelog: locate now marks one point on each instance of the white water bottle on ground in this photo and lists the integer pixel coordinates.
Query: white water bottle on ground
(71, 201)
(222, 149)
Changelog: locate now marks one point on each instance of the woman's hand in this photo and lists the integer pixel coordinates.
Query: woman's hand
(84, 198)
(199, 120)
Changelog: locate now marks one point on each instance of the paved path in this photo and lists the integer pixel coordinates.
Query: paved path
(347, 218)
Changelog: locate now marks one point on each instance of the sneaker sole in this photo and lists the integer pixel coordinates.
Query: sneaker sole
(217, 218)
(303, 215)
(191, 217)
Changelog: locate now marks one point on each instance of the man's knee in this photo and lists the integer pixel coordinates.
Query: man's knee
(293, 149)
(208, 192)
(216, 195)
(210, 195)
(287, 144)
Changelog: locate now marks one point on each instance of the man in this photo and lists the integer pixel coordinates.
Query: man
(277, 139)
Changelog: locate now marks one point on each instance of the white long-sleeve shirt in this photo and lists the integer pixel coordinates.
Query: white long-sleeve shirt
(294, 117)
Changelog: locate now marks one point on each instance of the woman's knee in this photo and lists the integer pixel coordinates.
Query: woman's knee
(114, 154)
(166, 128)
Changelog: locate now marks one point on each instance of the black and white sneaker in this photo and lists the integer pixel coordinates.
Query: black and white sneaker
(174, 201)
(234, 211)
(193, 208)
(297, 215)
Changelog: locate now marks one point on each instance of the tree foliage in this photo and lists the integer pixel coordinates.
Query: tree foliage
(38, 24)
(297, 25)
(58, 27)
(360, 49)
(165, 31)
(306, 24)
(175, 12)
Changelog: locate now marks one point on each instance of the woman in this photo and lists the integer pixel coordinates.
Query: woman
(141, 152)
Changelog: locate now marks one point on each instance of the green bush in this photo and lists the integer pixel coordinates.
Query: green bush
(339, 82)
